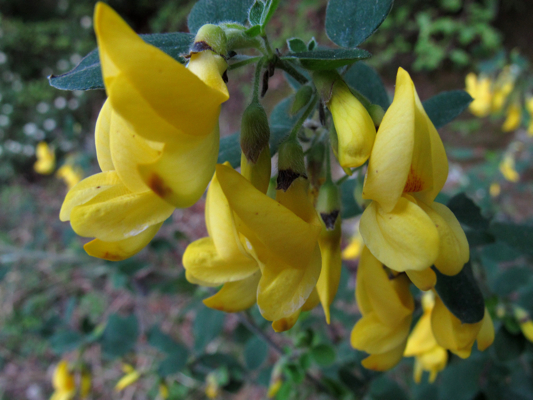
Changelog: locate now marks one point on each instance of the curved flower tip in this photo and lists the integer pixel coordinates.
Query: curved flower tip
(235, 296)
(408, 155)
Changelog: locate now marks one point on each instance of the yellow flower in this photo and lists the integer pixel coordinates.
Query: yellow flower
(429, 356)
(85, 383)
(494, 189)
(63, 382)
(160, 101)
(529, 108)
(387, 307)
(354, 126)
(524, 320)
(156, 140)
(163, 391)
(131, 376)
(403, 227)
(212, 388)
(503, 87)
(46, 159)
(354, 248)
(480, 90)
(70, 174)
(513, 119)
(507, 168)
(274, 387)
(456, 336)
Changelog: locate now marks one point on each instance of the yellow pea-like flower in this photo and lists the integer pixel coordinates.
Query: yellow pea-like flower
(64, 382)
(403, 227)
(513, 117)
(387, 306)
(46, 159)
(524, 320)
(130, 377)
(70, 174)
(429, 355)
(481, 91)
(507, 169)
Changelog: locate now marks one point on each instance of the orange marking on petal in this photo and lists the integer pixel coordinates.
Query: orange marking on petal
(157, 184)
(414, 183)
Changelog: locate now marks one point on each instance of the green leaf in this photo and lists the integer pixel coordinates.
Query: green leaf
(461, 295)
(88, 74)
(510, 280)
(294, 372)
(467, 212)
(366, 81)
(446, 106)
(255, 352)
(4, 269)
(323, 354)
(172, 364)
(163, 342)
(216, 11)
(349, 207)
(460, 381)
(507, 346)
(270, 8)
(328, 58)
(384, 388)
(296, 45)
(64, 341)
(120, 335)
(350, 23)
(207, 325)
(255, 13)
(312, 44)
(519, 237)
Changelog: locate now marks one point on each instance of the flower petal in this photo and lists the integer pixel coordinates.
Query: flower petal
(355, 129)
(390, 160)
(128, 149)
(284, 288)
(181, 174)
(283, 233)
(235, 296)
(421, 338)
(450, 332)
(453, 245)
(150, 89)
(372, 335)
(485, 337)
(116, 251)
(284, 324)
(403, 239)
(86, 190)
(384, 361)
(101, 137)
(117, 214)
(330, 274)
(424, 280)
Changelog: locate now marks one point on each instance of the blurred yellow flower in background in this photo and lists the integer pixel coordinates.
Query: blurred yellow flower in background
(480, 90)
(46, 159)
(429, 356)
(529, 108)
(131, 376)
(354, 248)
(507, 168)
(525, 322)
(70, 174)
(63, 382)
(513, 117)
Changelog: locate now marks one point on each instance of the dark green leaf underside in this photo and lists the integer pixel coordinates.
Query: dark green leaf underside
(446, 106)
(350, 23)
(329, 58)
(216, 11)
(461, 295)
(87, 74)
(366, 81)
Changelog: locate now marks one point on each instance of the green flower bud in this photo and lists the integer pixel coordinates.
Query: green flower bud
(315, 162)
(255, 131)
(238, 38)
(211, 37)
(328, 204)
(290, 163)
(301, 98)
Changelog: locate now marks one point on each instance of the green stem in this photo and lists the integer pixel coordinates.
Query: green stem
(267, 46)
(288, 68)
(242, 63)
(308, 111)
(257, 78)
(328, 162)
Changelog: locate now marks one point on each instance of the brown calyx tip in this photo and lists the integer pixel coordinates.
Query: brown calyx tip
(330, 219)
(286, 177)
(200, 46)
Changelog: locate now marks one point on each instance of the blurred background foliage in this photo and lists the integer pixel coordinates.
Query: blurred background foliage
(58, 302)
